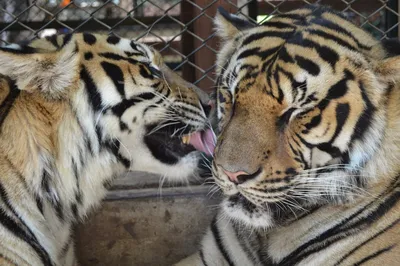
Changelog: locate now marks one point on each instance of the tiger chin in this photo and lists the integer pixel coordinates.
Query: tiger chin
(308, 145)
(77, 110)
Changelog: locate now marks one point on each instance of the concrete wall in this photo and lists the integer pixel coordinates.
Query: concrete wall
(144, 228)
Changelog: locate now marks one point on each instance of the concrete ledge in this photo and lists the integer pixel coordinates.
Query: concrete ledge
(126, 194)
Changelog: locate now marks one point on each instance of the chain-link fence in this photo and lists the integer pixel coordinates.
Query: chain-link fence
(181, 29)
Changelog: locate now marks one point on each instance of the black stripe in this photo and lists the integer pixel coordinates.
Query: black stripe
(267, 34)
(327, 54)
(121, 107)
(333, 26)
(295, 85)
(303, 141)
(344, 229)
(6, 105)
(336, 91)
(285, 57)
(67, 39)
(260, 245)
(134, 45)
(279, 25)
(74, 210)
(243, 242)
(280, 96)
(118, 57)
(366, 241)
(45, 183)
(203, 260)
(184, 110)
(130, 54)
(247, 53)
(331, 37)
(365, 120)
(93, 94)
(283, 120)
(145, 72)
(39, 204)
(78, 195)
(221, 75)
(115, 73)
(99, 133)
(65, 248)
(315, 121)
(310, 98)
(342, 113)
(148, 108)
(374, 255)
(53, 40)
(339, 89)
(216, 233)
(113, 146)
(256, 52)
(307, 65)
(132, 77)
(24, 234)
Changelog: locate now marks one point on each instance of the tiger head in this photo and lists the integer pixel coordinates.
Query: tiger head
(302, 109)
(124, 99)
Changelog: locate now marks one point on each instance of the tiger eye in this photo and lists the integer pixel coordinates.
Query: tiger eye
(156, 72)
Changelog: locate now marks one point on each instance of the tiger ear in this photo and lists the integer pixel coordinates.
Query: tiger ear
(389, 69)
(228, 25)
(50, 72)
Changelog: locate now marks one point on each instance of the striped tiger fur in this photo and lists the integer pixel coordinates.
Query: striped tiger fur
(308, 150)
(77, 110)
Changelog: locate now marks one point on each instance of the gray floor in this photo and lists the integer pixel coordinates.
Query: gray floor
(137, 226)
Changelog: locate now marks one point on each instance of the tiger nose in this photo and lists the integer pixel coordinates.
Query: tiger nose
(240, 176)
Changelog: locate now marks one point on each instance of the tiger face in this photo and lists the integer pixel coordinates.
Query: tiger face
(125, 98)
(302, 112)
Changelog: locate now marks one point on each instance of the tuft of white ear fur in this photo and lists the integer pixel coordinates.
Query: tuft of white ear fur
(50, 73)
(229, 25)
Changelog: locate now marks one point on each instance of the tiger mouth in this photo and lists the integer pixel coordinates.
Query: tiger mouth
(170, 143)
(203, 141)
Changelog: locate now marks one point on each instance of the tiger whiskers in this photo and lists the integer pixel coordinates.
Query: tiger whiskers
(159, 127)
(161, 183)
(213, 190)
(330, 186)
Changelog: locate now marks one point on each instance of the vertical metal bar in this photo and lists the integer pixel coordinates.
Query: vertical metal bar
(187, 43)
(253, 9)
(204, 27)
(392, 19)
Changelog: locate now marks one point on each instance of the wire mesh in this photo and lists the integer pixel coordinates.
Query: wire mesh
(181, 29)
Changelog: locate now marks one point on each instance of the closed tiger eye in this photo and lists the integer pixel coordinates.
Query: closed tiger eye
(155, 72)
(284, 119)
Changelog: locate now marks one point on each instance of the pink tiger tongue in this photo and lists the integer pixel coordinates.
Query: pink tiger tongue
(203, 141)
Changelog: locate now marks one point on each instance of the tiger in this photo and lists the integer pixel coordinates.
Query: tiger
(76, 111)
(308, 144)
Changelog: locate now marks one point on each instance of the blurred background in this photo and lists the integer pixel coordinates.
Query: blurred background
(144, 221)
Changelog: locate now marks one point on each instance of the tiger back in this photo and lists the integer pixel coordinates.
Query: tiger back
(76, 111)
(308, 150)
